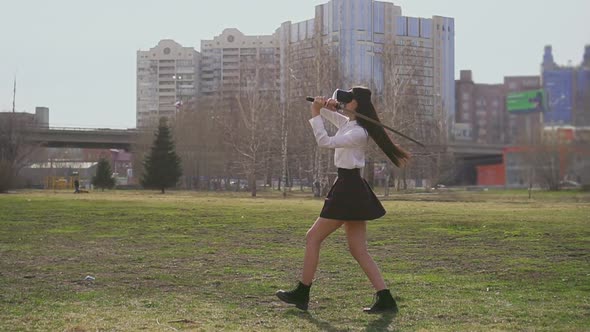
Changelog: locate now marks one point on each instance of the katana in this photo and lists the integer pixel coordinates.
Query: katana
(344, 111)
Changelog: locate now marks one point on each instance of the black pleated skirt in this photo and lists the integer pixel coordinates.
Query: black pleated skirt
(351, 198)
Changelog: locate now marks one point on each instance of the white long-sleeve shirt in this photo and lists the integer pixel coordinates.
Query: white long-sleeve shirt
(349, 142)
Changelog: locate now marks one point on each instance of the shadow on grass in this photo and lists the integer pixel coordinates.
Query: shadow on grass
(380, 324)
(321, 324)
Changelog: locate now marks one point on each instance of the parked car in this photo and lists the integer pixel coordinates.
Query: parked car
(439, 187)
(569, 184)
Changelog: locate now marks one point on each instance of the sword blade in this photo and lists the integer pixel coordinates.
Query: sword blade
(364, 117)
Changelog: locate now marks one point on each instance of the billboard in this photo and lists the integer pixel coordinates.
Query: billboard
(526, 101)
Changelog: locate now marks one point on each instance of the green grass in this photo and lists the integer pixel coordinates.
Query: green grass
(458, 261)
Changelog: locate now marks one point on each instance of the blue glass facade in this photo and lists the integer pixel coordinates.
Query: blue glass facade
(359, 27)
(558, 85)
(358, 31)
(413, 27)
(426, 28)
(582, 116)
(402, 26)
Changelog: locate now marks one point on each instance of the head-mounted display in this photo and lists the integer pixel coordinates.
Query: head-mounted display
(343, 96)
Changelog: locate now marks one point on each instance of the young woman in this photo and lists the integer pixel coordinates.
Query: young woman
(350, 202)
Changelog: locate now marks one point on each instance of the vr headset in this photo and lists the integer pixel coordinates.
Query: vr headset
(343, 96)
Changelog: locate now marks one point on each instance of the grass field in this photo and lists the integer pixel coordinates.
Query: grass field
(206, 262)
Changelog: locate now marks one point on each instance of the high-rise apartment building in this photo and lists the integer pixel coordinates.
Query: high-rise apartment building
(480, 109)
(233, 61)
(359, 34)
(167, 77)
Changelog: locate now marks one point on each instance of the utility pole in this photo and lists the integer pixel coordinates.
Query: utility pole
(14, 95)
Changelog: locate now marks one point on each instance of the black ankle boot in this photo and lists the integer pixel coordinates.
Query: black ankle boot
(384, 302)
(299, 296)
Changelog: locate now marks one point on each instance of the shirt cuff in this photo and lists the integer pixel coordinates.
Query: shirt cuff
(326, 112)
(316, 121)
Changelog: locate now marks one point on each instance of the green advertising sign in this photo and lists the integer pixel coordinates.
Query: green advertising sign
(526, 101)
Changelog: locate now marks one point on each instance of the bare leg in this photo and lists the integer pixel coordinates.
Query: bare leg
(356, 234)
(315, 235)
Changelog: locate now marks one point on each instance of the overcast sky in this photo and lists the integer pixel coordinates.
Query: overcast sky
(77, 57)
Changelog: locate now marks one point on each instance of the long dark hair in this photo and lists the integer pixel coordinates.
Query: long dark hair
(396, 154)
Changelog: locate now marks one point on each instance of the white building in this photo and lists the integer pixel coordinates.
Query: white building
(232, 61)
(167, 75)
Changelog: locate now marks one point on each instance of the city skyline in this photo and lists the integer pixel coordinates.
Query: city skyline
(67, 59)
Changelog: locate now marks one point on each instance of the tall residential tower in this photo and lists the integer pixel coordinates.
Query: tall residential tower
(167, 76)
(360, 33)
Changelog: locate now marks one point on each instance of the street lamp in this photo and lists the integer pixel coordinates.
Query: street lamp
(177, 102)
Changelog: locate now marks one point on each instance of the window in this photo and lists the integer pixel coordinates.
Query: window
(413, 27)
(184, 63)
(402, 26)
(425, 28)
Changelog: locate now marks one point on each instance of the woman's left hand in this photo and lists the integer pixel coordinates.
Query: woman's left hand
(317, 105)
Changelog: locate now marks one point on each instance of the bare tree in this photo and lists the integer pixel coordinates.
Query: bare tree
(399, 98)
(407, 101)
(140, 147)
(548, 159)
(198, 142)
(200, 130)
(314, 68)
(250, 119)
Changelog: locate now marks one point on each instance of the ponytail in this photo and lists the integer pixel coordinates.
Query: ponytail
(395, 153)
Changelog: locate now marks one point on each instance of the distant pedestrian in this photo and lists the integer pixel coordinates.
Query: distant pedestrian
(316, 188)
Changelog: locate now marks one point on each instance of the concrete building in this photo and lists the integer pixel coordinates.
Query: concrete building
(23, 119)
(480, 110)
(167, 76)
(358, 32)
(233, 61)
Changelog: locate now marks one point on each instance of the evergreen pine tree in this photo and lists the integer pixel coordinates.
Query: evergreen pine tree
(104, 176)
(162, 164)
